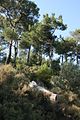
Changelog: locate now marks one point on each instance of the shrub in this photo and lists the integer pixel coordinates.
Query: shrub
(30, 72)
(71, 73)
(7, 73)
(44, 74)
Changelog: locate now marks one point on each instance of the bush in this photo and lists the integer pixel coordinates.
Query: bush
(71, 73)
(7, 73)
(44, 74)
(30, 72)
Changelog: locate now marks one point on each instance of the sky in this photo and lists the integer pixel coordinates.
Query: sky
(69, 9)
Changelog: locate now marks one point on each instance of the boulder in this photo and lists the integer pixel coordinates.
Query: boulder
(38, 89)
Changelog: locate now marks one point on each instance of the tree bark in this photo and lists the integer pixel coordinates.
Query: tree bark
(16, 52)
(40, 59)
(77, 58)
(10, 51)
(65, 57)
(28, 57)
(62, 59)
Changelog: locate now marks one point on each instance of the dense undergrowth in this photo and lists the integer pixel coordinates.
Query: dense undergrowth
(18, 103)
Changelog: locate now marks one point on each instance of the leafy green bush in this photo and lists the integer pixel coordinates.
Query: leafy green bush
(20, 63)
(71, 73)
(44, 74)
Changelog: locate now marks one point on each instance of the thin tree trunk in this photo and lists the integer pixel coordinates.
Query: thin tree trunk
(16, 51)
(28, 57)
(77, 58)
(62, 59)
(71, 59)
(40, 59)
(10, 51)
(50, 57)
(65, 57)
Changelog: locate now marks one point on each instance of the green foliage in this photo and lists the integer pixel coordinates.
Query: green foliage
(21, 63)
(44, 74)
(43, 35)
(2, 21)
(71, 73)
(44, 70)
(30, 72)
(10, 34)
(34, 59)
(19, 14)
(67, 86)
(76, 35)
(66, 45)
(25, 40)
(55, 67)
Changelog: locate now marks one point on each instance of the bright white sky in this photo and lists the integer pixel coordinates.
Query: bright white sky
(69, 9)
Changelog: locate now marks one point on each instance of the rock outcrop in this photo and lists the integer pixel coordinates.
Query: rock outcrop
(38, 89)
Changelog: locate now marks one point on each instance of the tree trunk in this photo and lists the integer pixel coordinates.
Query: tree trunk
(50, 57)
(71, 58)
(62, 59)
(10, 50)
(77, 58)
(65, 57)
(28, 57)
(40, 59)
(16, 51)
